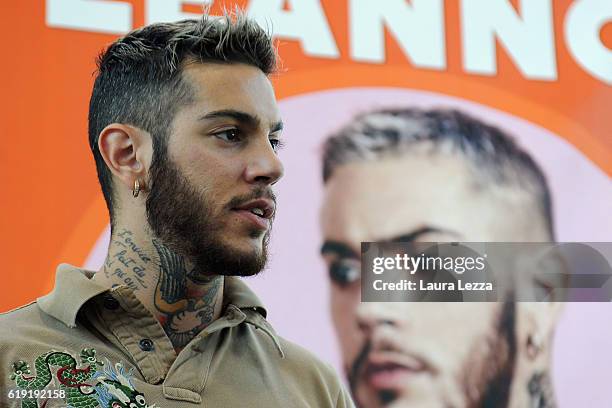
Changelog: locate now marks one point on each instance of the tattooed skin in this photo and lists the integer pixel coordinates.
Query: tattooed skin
(127, 261)
(185, 317)
(183, 300)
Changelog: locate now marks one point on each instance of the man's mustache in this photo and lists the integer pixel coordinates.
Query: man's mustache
(260, 192)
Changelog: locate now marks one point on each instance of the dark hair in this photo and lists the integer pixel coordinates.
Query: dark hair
(496, 158)
(139, 79)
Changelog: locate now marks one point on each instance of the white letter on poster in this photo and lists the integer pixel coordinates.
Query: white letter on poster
(164, 11)
(418, 28)
(90, 15)
(528, 39)
(583, 23)
(305, 22)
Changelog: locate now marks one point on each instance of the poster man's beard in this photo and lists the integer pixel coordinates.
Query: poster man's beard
(496, 391)
(485, 379)
(184, 221)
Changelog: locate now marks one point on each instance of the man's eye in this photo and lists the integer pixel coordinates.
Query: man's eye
(277, 144)
(344, 273)
(228, 135)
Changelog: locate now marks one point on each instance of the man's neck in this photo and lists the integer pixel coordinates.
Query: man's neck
(184, 300)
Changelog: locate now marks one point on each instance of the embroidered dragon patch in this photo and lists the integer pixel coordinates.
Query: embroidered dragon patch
(90, 384)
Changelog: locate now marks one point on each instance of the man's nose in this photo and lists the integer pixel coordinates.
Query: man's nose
(372, 316)
(264, 166)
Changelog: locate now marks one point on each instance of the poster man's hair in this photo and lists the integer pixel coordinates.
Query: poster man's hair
(496, 158)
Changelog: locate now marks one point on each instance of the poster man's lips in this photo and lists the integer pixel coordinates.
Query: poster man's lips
(407, 360)
(390, 370)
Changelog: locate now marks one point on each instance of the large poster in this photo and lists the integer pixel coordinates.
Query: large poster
(541, 71)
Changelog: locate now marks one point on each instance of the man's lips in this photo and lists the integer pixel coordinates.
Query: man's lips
(391, 370)
(266, 206)
(259, 212)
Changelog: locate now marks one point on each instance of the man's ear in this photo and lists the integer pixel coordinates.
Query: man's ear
(537, 322)
(127, 151)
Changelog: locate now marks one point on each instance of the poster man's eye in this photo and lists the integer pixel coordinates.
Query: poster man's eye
(277, 144)
(344, 272)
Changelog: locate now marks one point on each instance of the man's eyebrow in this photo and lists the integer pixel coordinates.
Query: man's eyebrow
(242, 117)
(342, 250)
(338, 248)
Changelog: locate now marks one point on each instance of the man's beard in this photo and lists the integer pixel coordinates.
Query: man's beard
(485, 379)
(183, 219)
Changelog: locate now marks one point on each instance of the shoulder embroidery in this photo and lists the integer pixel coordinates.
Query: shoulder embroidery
(88, 384)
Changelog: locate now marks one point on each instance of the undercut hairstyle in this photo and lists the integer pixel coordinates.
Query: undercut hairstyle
(495, 157)
(139, 79)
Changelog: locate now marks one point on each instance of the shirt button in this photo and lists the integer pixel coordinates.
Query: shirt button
(146, 345)
(110, 303)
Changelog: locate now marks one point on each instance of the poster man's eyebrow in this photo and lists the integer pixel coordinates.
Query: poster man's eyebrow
(276, 126)
(339, 249)
(343, 250)
(414, 235)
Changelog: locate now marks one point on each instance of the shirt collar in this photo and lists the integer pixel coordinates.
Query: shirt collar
(73, 287)
(237, 293)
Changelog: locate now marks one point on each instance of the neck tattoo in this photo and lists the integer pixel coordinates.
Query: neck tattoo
(183, 317)
(183, 300)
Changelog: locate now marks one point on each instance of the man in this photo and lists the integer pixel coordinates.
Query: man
(411, 175)
(184, 129)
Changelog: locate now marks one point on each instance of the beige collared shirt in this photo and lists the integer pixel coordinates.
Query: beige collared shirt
(84, 345)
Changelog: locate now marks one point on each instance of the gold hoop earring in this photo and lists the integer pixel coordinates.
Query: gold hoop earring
(136, 189)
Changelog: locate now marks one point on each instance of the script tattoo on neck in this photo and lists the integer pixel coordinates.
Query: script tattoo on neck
(183, 316)
(127, 261)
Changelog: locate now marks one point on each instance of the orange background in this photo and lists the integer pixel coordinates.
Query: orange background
(52, 208)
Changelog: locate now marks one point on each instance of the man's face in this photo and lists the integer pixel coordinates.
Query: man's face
(210, 196)
(415, 354)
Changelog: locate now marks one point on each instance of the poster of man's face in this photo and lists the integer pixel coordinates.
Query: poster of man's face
(410, 175)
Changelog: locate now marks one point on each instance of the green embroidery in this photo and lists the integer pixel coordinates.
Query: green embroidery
(73, 380)
(85, 386)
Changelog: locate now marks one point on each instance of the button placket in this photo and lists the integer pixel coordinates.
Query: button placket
(110, 303)
(146, 345)
(196, 361)
(138, 333)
